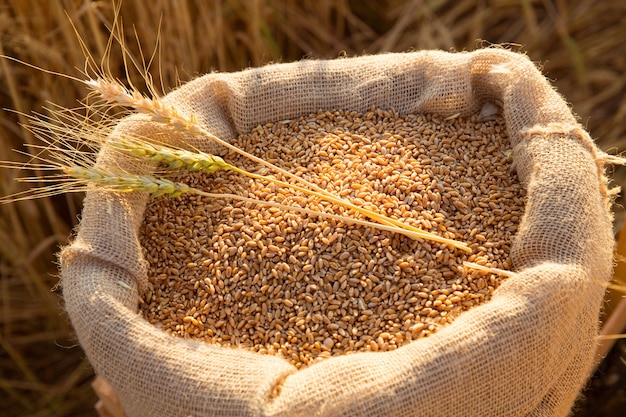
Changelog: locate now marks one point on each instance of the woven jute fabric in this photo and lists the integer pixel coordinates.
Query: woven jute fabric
(526, 352)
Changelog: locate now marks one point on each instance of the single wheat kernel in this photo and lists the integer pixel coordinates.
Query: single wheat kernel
(307, 288)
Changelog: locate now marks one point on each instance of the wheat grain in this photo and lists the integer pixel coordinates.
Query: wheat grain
(308, 288)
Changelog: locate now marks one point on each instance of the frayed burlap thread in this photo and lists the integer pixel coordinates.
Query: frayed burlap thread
(526, 352)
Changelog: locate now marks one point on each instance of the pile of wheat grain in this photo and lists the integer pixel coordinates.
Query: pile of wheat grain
(239, 274)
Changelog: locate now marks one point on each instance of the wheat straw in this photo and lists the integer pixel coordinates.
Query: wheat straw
(495, 271)
(611, 336)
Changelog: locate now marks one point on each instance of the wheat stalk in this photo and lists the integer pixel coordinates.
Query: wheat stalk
(489, 270)
(201, 161)
(114, 93)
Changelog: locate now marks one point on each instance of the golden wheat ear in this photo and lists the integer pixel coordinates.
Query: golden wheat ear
(114, 93)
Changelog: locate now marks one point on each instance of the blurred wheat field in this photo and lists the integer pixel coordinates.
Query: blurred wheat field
(580, 46)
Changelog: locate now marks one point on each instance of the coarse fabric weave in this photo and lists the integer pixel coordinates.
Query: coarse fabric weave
(526, 352)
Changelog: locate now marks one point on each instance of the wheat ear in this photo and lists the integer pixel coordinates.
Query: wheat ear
(114, 93)
(120, 181)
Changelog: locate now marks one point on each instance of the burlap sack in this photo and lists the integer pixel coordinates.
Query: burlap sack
(527, 351)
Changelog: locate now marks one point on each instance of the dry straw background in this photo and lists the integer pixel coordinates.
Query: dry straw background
(579, 44)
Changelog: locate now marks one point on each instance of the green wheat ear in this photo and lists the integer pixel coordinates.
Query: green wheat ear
(170, 157)
(115, 180)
